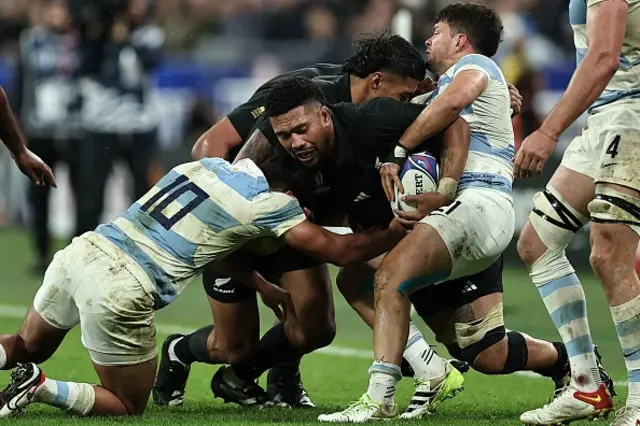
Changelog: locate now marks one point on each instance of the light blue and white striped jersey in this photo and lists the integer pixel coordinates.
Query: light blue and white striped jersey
(197, 213)
(625, 83)
(490, 162)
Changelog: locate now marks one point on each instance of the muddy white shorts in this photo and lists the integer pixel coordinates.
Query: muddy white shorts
(88, 285)
(476, 228)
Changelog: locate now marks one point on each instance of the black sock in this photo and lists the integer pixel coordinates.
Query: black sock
(561, 366)
(193, 347)
(274, 348)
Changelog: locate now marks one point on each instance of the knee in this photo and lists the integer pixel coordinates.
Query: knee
(381, 278)
(529, 247)
(135, 408)
(603, 248)
(492, 359)
(309, 336)
(505, 356)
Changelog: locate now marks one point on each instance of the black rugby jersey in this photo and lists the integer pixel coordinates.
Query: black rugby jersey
(364, 135)
(331, 78)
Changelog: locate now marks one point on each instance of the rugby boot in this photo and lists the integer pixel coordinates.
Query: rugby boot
(172, 375)
(25, 379)
(431, 393)
(230, 388)
(284, 386)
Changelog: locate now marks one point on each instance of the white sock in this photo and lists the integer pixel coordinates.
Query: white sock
(3, 357)
(425, 362)
(382, 383)
(77, 398)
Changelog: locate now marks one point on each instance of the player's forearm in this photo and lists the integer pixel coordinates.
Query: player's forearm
(455, 150)
(10, 133)
(587, 84)
(362, 246)
(438, 115)
(218, 141)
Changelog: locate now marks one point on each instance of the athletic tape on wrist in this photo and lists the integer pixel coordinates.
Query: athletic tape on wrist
(448, 187)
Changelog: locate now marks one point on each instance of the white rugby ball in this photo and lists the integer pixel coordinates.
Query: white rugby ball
(419, 174)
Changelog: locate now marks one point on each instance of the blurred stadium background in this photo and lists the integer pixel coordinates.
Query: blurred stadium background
(215, 54)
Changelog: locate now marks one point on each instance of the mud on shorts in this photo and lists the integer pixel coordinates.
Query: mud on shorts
(94, 284)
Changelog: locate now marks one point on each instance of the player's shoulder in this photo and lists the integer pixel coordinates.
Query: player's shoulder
(481, 63)
(244, 176)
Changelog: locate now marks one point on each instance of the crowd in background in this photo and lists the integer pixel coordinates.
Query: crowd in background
(108, 115)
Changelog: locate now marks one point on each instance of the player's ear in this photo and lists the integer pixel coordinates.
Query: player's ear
(325, 116)
(461, 40)
(376, 80)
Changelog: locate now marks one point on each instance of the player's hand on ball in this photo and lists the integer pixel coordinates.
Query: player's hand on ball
(389, 173)
(516, 99)
(426, 203)
(278, 300)
(36, 169)
(533, 153)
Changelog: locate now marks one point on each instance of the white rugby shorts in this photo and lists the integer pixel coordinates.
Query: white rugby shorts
(93, 287)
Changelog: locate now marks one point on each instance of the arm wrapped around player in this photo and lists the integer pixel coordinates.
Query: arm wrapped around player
(455, 150)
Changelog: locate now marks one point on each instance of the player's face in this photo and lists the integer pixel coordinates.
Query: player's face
(389, 85)
(305, 133)
(441, 46)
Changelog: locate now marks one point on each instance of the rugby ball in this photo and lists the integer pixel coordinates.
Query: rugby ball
(419, 174)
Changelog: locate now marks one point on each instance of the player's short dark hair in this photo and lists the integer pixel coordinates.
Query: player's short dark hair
(480, 23)
(386, 52)
(290, 93)
(283, 173)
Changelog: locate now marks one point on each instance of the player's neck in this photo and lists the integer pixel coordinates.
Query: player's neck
(359, 88)
(335, 147)
(454, 59)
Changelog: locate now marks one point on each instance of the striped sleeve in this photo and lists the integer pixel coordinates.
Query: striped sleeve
(276, 213)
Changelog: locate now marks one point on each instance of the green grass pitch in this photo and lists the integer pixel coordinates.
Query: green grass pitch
(333, 380)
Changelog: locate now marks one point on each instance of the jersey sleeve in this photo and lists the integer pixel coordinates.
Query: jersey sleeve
(479, 63)
(244, 117)
(276, 213)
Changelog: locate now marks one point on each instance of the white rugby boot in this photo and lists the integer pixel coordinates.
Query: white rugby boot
(570, 405)
(627, 416)
(365, 409)
(430, 394)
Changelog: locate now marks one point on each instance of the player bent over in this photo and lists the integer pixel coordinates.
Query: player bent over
(111, 280)
(597, 178)
(382, 66)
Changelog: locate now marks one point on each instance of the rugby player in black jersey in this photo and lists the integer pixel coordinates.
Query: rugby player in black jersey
(344, 142)
(386, 66)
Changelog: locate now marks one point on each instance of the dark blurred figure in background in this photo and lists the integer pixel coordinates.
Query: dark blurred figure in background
(117, 115)
(529, 84)
(46, 101)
